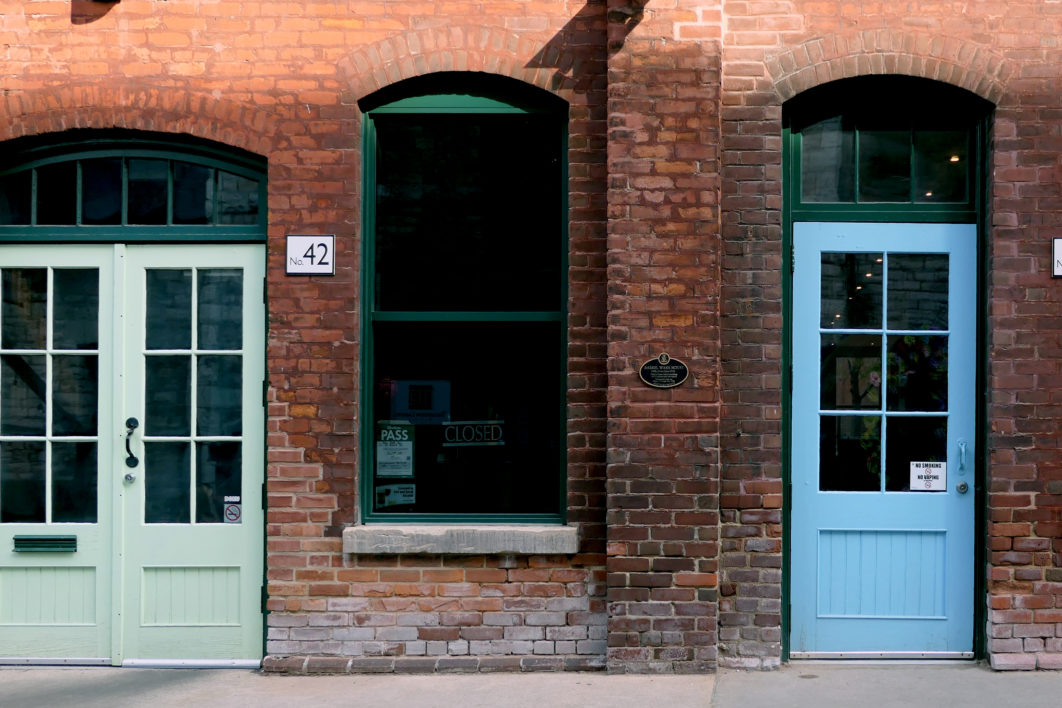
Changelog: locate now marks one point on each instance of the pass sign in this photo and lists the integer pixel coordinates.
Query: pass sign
(311, 255)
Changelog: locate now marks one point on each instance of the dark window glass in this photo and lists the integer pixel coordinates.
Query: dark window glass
(169, 309)
(237, 199)
(22, 394)
(917, 378)
(918, 291)
(851, 290)
(941, 166)
(193, 194)
(167, 477)
(219, 474)
(74, 482)
(23, 316)
(101, 191)
(168, 391)
(921, 439)
(485, 439)
(850, 453)
(884, 166)
(448, 189)
(22, 476)
(828, 160)
(219, 401)
(148, 188)
(75, 395)
(220, 308)
(851, 372)
(15, 194)
(57, 194)
(75, 316)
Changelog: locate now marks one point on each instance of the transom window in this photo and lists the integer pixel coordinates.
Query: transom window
(122, 181)
(465, 294)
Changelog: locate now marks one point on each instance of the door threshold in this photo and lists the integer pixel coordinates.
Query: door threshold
(883, 656)
(192, 663)
(51, 661)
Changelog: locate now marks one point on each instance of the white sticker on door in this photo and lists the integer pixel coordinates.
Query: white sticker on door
(929, 476)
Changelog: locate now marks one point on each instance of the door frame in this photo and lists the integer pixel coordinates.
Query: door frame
(975, 212)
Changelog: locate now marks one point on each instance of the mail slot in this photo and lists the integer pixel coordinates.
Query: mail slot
(45, 544)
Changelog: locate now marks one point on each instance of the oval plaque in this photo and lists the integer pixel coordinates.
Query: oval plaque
(663, 372)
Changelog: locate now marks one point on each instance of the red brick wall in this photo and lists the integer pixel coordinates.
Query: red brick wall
(283, 79)
(664, 260)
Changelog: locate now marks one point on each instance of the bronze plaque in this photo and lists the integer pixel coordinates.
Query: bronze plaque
(663, 372)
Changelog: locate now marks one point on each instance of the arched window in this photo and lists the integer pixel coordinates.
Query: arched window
(465, 291)
(128, 185)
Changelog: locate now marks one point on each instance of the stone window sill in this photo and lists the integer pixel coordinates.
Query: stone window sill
(461, 539)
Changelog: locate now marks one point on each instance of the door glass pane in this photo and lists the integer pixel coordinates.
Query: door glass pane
(74, 482)
(167, 393)
(15, 191)
(22, 319)
(75, 316)
(884, 166)
(22, 482)
(167, 476)
(218, 475)
(918, 291)
(851, 371)
(75, 395)
(219, 395)
(147, 191)
(921, 439)
(220, 303)
(169, 309)
(22, 392)
(917, 378)
(57, 194)
(828, 162)
(851, 290)
(850, 453)
(941, 165)
(101, 191)
(237, 199)
(193, 194)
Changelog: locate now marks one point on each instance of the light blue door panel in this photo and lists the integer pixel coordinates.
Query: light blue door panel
(884, 362)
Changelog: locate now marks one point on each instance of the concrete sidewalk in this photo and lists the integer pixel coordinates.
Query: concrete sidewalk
(800, 685)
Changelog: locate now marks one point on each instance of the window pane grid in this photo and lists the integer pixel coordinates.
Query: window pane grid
(80, 492)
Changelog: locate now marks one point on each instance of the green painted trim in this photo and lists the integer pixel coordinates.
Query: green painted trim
(449, 103)
(131, 234)
(45, 544)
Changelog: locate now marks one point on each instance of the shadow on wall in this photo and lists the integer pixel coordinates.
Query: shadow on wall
(83, 12)
(576, 52)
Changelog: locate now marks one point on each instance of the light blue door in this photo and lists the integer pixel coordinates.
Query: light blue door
(884, 360)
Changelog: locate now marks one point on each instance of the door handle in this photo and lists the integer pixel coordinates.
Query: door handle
(131, 460)
(962, 456)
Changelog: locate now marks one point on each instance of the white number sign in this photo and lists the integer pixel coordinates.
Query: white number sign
(311, 255)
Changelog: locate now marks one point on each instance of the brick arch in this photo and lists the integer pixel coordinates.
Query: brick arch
(140, 108)
(488, 49)
(969, 65)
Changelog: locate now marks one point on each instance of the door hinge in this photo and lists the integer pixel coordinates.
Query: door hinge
(265, 500)
(792, 258)
(789, 382)
(265, 289)
(265, 597)
(265, 393)
(789, 497)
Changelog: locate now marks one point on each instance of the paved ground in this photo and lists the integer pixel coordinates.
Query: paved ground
(800, 685)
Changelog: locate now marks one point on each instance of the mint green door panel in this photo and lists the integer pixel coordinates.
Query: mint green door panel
(167, 558)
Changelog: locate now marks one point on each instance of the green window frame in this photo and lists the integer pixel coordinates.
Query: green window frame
(460, 100)
(153, 188)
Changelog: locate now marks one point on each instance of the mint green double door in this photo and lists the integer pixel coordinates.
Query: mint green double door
(131, 454)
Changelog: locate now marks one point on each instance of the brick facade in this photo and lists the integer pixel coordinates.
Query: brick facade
(675, 231)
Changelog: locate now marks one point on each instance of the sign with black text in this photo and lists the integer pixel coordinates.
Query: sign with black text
(311, 255)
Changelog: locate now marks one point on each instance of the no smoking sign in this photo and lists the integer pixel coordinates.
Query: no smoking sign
(233, 513)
